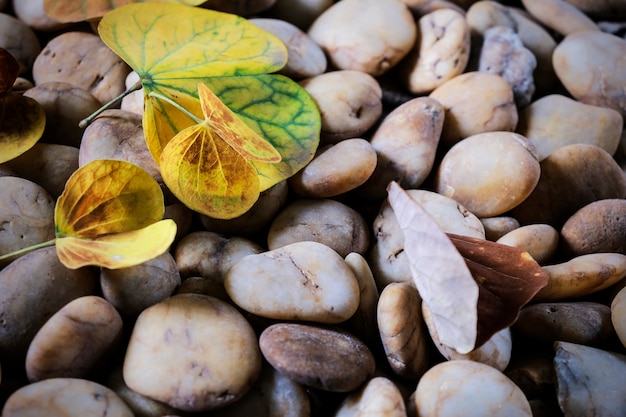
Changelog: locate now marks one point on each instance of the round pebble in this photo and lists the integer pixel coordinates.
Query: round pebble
(561, 16)
(618, 315)
(378, 397)
(301, 281)
(539, 240)
(206, 351)
(323, 358)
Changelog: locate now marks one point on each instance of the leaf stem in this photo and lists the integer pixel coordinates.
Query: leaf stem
(86, 121)
(178, 106)
(24, 251)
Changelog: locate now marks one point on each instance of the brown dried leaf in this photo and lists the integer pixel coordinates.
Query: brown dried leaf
(440, 273)
(507, 279)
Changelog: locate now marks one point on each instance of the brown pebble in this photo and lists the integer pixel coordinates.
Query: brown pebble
(323, 358)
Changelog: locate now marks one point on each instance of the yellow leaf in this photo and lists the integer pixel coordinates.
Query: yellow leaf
(233, 130)
(22, 122)
(202, 170)
(107, 196)
(118, 250)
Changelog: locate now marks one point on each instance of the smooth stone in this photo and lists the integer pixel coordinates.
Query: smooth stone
(387, 258)
(378, 397)
(539, 240)
(498, 226)
(62, 397)
(483, 15)
(131, 290)
(489, 173)
(581, 276)
(209, 255)
(301, 281)
(571, 177)
(32, 289)
(466, 115)
(326, 221)
(534, 375)
(305, 58)
(323, 358)
(495, 352)
(582, 322)
(601, 9)
(467, 388)
(597, 227)
(589, 381)
(618, 315)
(554, 121)
(207, 286)
(591, 67)
(363, 322)
(560, 16)
(206, 351)
(336, 169)
(441, 52)
(402, 332)
(503, 53)
(26, 215)
(406, 145)
(74, 340)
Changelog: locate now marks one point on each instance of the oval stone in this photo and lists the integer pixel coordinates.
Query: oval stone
(561, 16)
(489, 173)
(60, 397)
(378, 397)
(539, 240)
(74, 339)
(472, 389)
(301, 281)
(555, 121)
(618, 315)
(591, 67)
(319, 357)
(192, 352)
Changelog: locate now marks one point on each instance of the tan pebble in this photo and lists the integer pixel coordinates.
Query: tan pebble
(498, 226)
(618, 315)
(254, 220)
(33, 13)
(272, 395)
(209, 254)
(467, 388)
(495, 111)
(582, 322)
(131, 290)
(483, 15)
(378, 397)
(561, 16)
(387, 258)
(305, 57)
(489, 173)
(60, 397)
(581, 276)
(326, 221)
(597, 227)
(79, 58)
(554, 121)
(441, 52)
(539, 240)
(363, 322)
(323, 358)
(495, 352)
(336, 169)
(365, 35)
(591, 67)
(19, 40)
(132, 102)
(65, 105)
(402, 331)
(207, 353)
(32, 289)
(571, 177)
(503, 53)
(589, 380)
(349, 102)
(301, 281)
(72, 342)
(406, 144)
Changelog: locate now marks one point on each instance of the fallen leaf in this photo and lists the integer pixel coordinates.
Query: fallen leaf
(507, 279)
(439, 272)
